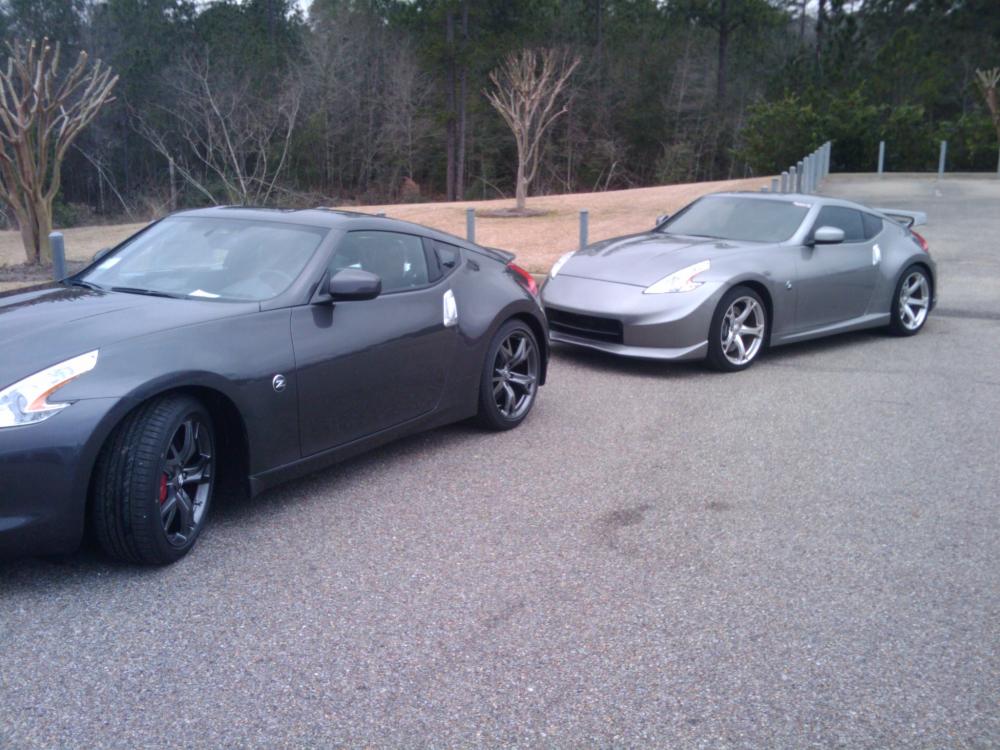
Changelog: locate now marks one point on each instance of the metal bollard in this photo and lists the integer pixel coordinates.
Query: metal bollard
(584, 228)
(784, 181)
(470, 224)
(793, 180)
(774, 185)
(941, 157)
(798, 176)
(58, 255)
(881, 157)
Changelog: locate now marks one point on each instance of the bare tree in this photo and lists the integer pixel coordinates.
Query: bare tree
(527, 87)
(40, 117)
(989, 84)
(222, 136)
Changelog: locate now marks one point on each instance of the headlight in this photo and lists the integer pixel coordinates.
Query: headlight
(681, 281)
(27, 401)
(557, 266)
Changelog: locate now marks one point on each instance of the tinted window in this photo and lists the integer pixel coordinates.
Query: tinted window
(842, 218)
(397, 259)
(730, 217)
(873, 225)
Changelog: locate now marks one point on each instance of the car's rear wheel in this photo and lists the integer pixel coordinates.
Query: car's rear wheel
(739, 330)
(911, 302)
(509, 382)
(154, 480)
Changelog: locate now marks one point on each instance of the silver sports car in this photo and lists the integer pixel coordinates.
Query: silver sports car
(733, 273)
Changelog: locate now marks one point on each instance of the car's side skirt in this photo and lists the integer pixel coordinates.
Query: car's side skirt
(872, 320)
(324, 459)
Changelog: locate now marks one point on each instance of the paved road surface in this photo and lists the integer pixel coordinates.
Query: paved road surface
(802, 555)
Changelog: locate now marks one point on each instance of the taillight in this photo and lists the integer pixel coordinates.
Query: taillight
(921, 241)
(524, 278)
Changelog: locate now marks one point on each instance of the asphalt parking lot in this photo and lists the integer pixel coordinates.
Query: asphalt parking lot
(804, 554)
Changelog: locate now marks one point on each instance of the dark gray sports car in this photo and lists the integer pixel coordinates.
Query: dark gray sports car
(733, 273)
(244, 346)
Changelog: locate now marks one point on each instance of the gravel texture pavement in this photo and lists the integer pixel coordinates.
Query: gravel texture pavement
(801, 555)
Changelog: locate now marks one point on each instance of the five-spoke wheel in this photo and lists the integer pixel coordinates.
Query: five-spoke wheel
(510, 378)
(739, 330)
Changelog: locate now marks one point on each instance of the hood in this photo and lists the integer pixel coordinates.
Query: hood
(640, 259)
(43, 326)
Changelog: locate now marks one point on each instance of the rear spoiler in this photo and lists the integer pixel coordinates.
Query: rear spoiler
(906, 218)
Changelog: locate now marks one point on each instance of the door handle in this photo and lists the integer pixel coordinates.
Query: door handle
(450, 309)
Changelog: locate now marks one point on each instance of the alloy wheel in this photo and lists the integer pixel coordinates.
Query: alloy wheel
(914, 300)
(186, 480)
(743, 328)
(515, 375)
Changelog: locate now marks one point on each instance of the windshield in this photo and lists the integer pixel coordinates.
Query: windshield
(209, 258)
(731, 217)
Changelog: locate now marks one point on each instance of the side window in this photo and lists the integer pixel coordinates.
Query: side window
(397, 259)
(448, 257)
(873, 225)
(842, 218)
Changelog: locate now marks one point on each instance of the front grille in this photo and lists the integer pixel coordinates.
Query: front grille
(585, 326)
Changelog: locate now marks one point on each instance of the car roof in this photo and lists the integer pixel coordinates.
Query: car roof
(812, 200)
(336, 218)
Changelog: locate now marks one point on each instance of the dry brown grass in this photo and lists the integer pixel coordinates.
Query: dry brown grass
(537, 240)
(81, 242)
(540, 240)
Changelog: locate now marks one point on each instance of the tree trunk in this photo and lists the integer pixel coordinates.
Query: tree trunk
(522, 184)
(461, 113)
(724, 28)
(35, 226)
(449, 139)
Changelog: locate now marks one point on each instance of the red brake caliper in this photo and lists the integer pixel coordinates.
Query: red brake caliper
(163, 488)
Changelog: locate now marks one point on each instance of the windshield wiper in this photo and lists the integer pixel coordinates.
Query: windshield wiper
(147, 292)
(84, 284)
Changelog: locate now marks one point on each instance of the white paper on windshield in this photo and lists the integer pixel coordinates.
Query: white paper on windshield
(109, 263)
(203, 293)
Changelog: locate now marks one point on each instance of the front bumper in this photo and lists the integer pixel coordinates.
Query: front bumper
(653, 326)
(44, 475)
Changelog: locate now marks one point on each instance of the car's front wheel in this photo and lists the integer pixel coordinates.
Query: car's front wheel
(738, 331)
(154, 480)
(510, 377)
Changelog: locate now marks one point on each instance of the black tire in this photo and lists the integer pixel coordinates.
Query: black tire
(718, 332)
(138, 511)
(900, 325)
(493, 412)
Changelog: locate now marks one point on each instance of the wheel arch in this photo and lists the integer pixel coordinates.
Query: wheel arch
(543, 340)
(765, 294)
(232, 438)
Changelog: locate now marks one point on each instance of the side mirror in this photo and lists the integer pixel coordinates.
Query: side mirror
(661, 218)
(354, 284)
(100, 254)
(828, 236)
